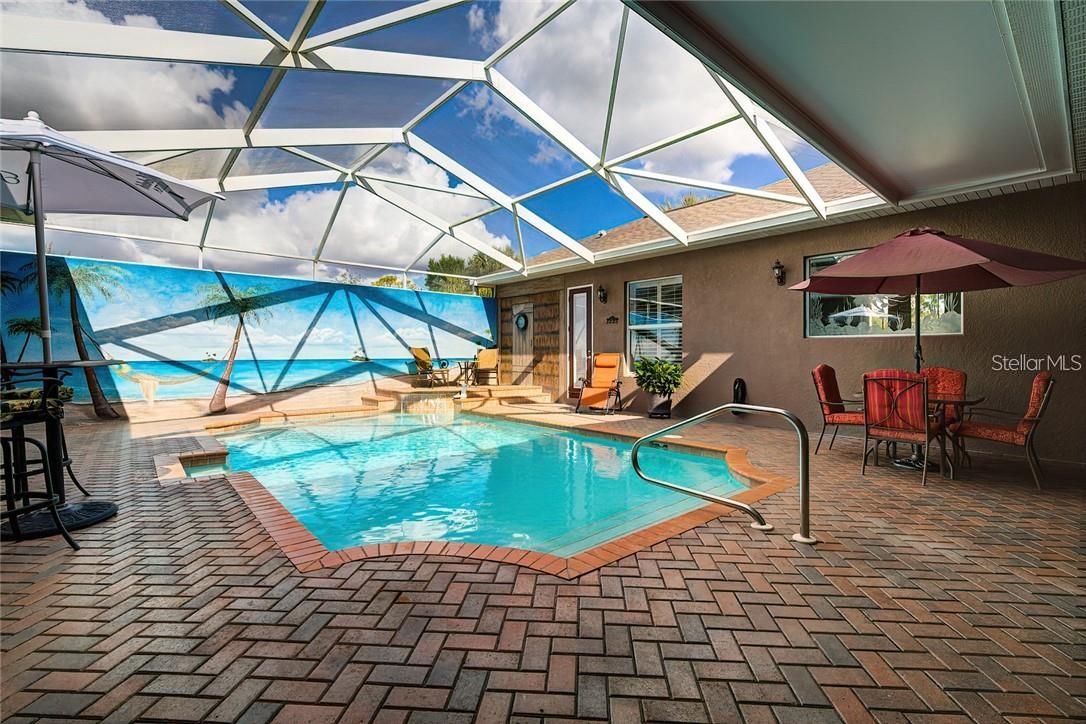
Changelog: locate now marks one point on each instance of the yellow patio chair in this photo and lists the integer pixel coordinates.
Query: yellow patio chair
(486, 366)
(426, 371)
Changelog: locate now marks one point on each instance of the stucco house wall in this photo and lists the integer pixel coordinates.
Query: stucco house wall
(739, 323)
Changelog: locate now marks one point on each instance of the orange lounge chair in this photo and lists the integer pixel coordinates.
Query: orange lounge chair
(604, 383)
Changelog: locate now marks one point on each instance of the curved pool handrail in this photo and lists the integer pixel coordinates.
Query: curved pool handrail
(804, 535)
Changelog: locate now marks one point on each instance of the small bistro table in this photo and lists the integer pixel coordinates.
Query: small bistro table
(74, 515)
(467, 371)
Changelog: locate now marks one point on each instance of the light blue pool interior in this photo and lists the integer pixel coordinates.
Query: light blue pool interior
(395, 478)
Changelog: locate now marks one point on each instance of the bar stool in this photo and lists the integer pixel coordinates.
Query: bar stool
(18, 469)
(64, 394)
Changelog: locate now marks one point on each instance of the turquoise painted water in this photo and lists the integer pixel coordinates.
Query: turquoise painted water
(194, 379)
(412, 477)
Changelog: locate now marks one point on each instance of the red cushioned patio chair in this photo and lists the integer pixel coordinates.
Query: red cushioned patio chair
(1020, 434)
(833, 407)
(948, 383)
(896, 411)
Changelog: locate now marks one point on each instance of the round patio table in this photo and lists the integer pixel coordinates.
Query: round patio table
(941, 401)
(467, 371)
(84, 513)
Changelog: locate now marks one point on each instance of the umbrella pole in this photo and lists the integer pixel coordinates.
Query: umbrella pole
(918, 352)
(39, 249)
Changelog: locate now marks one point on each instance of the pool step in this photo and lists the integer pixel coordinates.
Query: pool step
(392, 400)
(382, 403)
(504, 394)
(492, 392)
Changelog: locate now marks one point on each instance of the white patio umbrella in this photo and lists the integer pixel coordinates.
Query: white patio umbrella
(46, 171)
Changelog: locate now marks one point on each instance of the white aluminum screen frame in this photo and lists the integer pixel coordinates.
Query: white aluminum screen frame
(272, 50)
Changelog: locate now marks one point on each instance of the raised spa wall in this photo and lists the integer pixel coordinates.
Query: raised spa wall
(737, 322)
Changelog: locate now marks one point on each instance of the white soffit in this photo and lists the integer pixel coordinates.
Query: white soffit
(917, 99)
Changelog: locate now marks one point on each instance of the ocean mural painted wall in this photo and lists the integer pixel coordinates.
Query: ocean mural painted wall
(204, 335)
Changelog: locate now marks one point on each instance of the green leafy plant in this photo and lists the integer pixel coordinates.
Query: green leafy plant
(657, 376)
(477, 265)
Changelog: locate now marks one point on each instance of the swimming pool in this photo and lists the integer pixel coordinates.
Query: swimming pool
(393, 478)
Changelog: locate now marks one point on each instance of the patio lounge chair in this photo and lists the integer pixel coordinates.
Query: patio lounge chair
(896, 410)
(1020, 434)
(833, 407)
(426, 371)
(603, 384)
(486, 366)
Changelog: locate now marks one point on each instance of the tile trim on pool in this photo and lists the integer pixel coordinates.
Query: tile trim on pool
(308, 554)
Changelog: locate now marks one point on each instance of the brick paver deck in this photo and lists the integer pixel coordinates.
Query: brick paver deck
(959, 601)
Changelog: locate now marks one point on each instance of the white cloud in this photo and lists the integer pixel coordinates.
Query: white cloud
(367, 229)
(567, 68)
(258, 335)
(73, 93)
(477, 24)
(20, 237)
(511, 19)
(326, 335)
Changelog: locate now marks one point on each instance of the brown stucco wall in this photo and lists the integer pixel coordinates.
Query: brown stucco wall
(739, 323)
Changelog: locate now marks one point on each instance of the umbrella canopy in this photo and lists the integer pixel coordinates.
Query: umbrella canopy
(80, 179)
(44, 171)
(928, 261)
(943, 262)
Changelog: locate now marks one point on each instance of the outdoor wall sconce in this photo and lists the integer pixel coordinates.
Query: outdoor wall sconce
(601, 294)
(778, 273)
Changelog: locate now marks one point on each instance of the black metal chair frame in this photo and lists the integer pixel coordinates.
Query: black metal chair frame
(608, 408)
(17, 469)
(15, 377)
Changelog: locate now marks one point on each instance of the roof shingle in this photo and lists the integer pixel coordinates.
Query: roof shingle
(830, 180)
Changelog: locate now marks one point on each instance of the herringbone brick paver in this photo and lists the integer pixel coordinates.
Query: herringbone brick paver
(959, 601)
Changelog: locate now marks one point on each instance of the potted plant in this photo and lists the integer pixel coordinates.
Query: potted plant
(660, 379)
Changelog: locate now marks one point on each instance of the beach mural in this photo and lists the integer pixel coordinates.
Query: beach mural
(204, 335)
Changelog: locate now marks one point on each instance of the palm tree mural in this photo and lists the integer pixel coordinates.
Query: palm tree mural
(30, 326)
(250, 306)
(10, 283)
(86, 281)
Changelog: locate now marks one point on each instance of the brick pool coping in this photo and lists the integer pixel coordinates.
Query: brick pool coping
(307, 553)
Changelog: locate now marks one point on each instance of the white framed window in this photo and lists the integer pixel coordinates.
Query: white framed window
(875, 315)
(654, 319)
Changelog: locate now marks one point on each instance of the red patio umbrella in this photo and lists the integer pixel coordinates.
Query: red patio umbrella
(928, 261)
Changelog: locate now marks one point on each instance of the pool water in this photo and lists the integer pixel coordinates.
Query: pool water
(394, 478)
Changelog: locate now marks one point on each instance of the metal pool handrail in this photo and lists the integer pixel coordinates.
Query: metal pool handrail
(804, 535)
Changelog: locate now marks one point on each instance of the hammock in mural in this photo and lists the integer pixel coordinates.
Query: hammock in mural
(149, 383)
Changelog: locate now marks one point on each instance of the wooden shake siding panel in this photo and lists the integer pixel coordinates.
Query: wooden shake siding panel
(546, 341)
